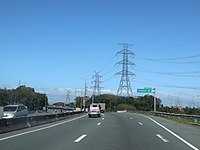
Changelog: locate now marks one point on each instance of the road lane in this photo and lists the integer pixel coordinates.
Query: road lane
(58, 137)
(116, 131)
(120, 132)
(188, 132)
(188, 135)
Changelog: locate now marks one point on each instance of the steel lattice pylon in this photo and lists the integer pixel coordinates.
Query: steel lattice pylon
(97, 88)
(124, 88)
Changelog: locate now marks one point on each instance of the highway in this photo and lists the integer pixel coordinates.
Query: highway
(113, 131)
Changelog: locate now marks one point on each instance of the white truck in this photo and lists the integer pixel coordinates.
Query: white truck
(94, 110)
(102, 107)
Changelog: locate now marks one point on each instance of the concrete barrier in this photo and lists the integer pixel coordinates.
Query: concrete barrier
(7, 125)
(12, 124)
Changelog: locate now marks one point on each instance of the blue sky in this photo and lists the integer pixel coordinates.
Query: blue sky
(54, 45)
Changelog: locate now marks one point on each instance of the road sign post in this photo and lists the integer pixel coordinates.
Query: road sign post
(154, 92)
(149, 90)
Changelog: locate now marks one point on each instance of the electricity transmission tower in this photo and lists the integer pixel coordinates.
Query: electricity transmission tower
(97, 82)
(68, 97)
(124, 88)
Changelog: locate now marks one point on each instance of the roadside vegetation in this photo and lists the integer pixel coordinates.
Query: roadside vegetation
(23, 95)
(184, 120)
(36, 101)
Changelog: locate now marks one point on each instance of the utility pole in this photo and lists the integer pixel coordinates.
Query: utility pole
(124, 88)
(96, 87)
(84, 98)
(154, 103)
(45, 102)
(75, 97)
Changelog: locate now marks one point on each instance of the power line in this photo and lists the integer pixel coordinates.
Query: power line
(160, 84)
(174, 60)
(179, 74)
(108, 79)
(107, 63)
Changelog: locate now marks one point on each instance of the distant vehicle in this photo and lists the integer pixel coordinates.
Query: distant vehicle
(69, 110)
(77, 109)
(94, 110)
(12, 111)
(86, 110)
(102, 107)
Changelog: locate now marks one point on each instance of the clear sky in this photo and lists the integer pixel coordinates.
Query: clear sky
(54, 45)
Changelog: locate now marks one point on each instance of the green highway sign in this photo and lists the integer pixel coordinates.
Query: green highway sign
(145, 90)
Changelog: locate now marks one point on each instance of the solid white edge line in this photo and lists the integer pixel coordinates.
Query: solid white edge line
(174, 134)
(80, 138)
(51, 126)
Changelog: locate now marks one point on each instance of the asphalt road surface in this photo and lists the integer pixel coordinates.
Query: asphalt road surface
(113, 131)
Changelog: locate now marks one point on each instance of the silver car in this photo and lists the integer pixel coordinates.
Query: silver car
(11, 111)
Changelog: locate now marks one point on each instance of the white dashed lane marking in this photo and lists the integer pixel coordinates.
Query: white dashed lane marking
(140, 123)
(162, 138)
(80, 138)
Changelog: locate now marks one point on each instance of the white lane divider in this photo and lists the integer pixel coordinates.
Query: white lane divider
(99, 123)
(103, 118)
(80, 138)
(131, 118)
(140, 123)
(162, 138)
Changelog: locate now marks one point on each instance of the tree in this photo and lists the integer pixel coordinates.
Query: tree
(79, 101)
(114, 103)
(23, 95)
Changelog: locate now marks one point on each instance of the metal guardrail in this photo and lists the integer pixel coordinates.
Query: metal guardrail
(184, 118)
(7, 125)
(177, 115)
(190, 119)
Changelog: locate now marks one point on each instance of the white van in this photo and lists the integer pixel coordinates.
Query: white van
(11, 111)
